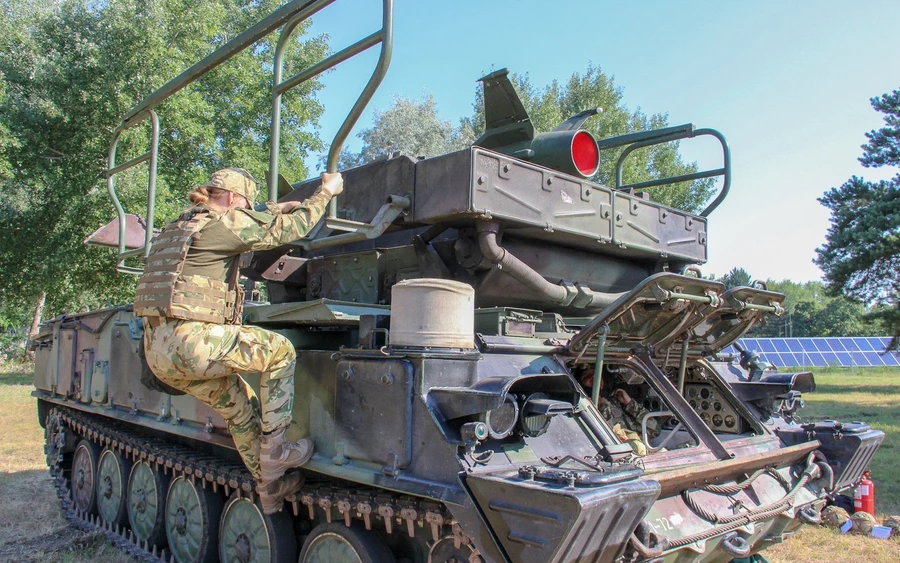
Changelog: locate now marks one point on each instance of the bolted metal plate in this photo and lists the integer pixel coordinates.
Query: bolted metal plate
(642, 224)
(525, 193)
(374, 420)
(541, 523)
(350, 277)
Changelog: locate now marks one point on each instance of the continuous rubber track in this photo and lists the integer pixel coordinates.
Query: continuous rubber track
(343, 501)
(209, 470)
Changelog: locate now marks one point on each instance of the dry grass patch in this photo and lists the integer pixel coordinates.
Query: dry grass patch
(822, 545)
(32, 528)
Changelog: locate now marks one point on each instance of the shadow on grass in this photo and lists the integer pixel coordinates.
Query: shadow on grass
(847, 411)
(858, 388)
(16, 378)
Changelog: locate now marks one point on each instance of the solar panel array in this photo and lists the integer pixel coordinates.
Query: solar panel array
(821, 352)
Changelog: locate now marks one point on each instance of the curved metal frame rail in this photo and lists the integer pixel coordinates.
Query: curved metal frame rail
(110, 174)
(635, 141)
(289, 15)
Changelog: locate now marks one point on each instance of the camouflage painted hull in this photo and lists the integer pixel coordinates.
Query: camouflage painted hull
(383, 423)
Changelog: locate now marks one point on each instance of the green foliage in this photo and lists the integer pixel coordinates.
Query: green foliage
(737, 277)
(413, 127)
(70, 71)
(409, 126)
(883, 148)
(861, 256)
(811, 311)
(7, 141)
(551, 105)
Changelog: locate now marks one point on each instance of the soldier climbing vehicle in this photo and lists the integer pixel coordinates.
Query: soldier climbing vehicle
(457, 321)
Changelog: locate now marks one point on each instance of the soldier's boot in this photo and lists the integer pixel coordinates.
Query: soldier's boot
(276, 455)
(272, 495)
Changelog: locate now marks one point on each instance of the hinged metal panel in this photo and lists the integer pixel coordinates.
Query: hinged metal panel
(66, 358)
(668, 232)
(531, 195)
(742, 308)
(374, 421)
(654, 314)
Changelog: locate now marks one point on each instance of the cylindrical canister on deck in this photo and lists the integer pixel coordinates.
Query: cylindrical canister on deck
(432, 313)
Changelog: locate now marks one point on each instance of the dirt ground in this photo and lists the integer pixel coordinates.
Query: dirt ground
(32, 528)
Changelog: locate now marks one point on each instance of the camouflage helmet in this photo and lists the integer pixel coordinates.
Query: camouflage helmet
(235, 180)
(863, 522)
(834, 516)
(893, 522)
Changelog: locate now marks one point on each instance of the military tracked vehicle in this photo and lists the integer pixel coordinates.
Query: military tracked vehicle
(458, 320)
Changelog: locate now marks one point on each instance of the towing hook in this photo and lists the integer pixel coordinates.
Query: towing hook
(827, 475)
(655, 544)
(809, 515)
(735, 544)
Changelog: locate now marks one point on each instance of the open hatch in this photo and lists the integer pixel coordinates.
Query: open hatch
(654, 343)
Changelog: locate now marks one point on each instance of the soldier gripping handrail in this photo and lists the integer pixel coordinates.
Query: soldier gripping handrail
(290, 16)
(452, 353)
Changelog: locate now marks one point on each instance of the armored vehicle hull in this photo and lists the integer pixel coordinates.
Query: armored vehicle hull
(481, 441)
(569, 407)
(395, 466)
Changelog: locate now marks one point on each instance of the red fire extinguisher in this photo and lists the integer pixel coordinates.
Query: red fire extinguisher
(864, 500)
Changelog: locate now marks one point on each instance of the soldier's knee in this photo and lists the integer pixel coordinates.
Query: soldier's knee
(284, 350)
(166, 371)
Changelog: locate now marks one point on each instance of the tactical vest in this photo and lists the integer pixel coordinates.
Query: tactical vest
(163, 291)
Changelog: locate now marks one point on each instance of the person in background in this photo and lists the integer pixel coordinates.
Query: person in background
(622, 412)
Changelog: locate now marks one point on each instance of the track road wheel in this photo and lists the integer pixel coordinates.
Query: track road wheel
(246, 535)
(146, 501)
(336, 543)
(57, 442)
(192, 522)
(84, 476)
(112, 479)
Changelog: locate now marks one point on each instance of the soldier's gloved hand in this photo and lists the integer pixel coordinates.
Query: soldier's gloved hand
(622, 396)
(332, 184)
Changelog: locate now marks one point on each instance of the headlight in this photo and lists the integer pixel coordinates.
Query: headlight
(537, 411)
(502, 420)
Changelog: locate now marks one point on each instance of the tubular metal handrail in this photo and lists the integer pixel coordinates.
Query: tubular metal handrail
(290, 15)
(634, 141)
(262, 28)
(110, 174)
(384, 36)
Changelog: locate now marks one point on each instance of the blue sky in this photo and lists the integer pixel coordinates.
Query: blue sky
(788, 83)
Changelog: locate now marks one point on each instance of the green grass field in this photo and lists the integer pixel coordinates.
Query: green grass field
(872, 397)
(32, 529)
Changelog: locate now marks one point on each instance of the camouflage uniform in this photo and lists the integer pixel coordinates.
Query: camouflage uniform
(205, 359)
(626, 422)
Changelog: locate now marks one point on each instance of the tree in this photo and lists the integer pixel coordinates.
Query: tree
(861, 256)
(7, 142)
(408, 126)
(737, 277)
(551, 105)
(71, 70)
(810, 311)
(414, 128)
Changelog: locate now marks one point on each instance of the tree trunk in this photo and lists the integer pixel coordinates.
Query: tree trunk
(35, 323)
